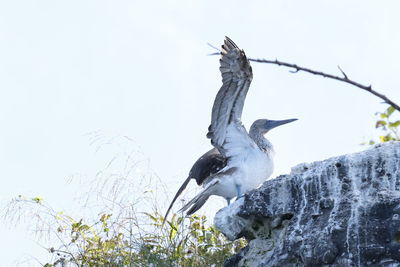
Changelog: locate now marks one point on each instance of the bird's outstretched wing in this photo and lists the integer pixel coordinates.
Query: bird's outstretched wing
(228, 105)
(207, 165)
(226, 132)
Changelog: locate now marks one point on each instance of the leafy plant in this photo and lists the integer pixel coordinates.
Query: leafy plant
(388, 125)
(110, 240)
(117, 222)
(190, 242)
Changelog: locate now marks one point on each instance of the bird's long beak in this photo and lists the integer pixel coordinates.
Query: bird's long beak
(274, 124)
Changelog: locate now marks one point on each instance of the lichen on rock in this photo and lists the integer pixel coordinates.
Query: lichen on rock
(343, 211)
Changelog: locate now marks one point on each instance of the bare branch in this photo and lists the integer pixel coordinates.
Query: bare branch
(295, 68)
(344, 74)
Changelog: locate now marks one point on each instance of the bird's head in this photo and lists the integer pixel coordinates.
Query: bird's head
(263, 125)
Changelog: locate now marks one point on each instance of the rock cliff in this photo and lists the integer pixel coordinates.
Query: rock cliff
(343, 211)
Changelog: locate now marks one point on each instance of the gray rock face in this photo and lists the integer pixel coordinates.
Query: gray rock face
(343, 211)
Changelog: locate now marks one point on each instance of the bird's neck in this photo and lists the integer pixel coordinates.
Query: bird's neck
(261, 141)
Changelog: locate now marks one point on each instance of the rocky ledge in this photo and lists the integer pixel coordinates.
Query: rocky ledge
(343, 211)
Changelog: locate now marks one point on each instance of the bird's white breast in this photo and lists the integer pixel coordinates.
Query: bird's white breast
(257, 166)
(252, 165)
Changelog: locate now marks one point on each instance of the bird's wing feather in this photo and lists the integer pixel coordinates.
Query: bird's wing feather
(198, 201)
(238, 144)
(228, 105)
(207, 165)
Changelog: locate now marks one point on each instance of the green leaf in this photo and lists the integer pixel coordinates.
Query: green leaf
(394, 124)
(37, 200)
(390, 110)
(105, 217)
(173, 227)
(172, 233)
(151, 216)
(380, 123)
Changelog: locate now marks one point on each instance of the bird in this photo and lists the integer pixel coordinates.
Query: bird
(239, 161)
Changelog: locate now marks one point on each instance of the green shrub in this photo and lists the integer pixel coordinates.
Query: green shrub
(112, 240)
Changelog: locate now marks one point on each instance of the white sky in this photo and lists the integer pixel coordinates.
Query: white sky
(139, 69)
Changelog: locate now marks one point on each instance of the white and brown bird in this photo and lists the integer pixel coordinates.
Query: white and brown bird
(240, 161)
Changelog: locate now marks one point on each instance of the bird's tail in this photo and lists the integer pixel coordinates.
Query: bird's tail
(183, 186)
(198, 201)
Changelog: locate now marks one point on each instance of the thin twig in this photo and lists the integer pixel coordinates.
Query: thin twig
(295, 68)
(344, 74)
